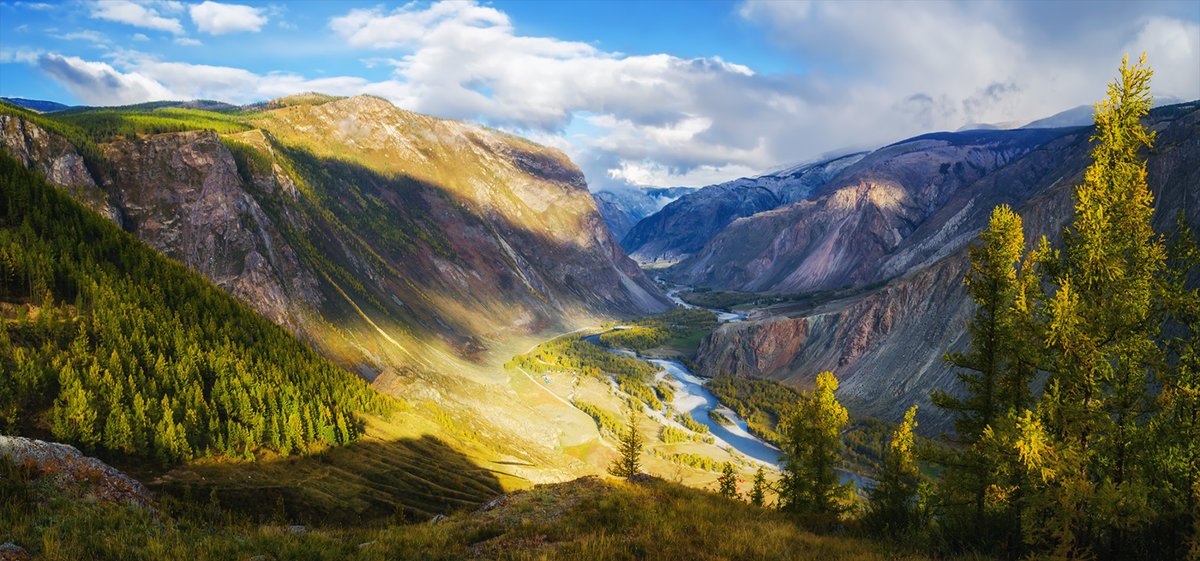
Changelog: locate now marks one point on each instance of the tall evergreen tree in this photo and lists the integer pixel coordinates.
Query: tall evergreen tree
(814, 439)
(1175, 436)
(1102, 325)
(758, 492)
(994, 376)
(628, 463)
(893, 501)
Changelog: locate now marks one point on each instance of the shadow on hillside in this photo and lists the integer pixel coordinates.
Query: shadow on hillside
(407, 480)
(379, 235)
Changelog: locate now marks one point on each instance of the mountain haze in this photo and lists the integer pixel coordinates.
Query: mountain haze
(623, 209)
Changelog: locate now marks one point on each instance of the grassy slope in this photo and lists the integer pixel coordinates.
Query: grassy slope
(585, 519)
(418, 463)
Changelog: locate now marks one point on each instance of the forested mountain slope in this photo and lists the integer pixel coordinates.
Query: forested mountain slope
(409, 250)
(107, 345)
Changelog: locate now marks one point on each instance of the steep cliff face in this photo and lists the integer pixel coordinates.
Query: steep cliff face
(687, 224)
(56, 159)
(182, 195)
(886, 344)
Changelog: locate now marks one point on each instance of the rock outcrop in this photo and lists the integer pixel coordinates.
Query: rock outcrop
(72, 469)
(182, 195)
(55, 158)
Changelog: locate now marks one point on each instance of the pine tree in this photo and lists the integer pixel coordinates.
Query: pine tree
(628, 463)
(893, 500)
(728, 482)
(118, 435)
(759, 491)
(814, 439)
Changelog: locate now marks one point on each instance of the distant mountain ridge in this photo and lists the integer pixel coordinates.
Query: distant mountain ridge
(622, 209)
(684, 226)
(41, 106)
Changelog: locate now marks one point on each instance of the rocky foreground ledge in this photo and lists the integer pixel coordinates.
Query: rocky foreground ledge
(74, 469)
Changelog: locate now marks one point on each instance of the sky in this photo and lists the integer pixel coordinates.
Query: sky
(650, 93)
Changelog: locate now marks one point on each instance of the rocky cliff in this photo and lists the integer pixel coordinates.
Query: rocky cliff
(886, 340)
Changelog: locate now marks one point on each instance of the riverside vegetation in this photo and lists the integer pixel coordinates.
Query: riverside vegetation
(1102, 462)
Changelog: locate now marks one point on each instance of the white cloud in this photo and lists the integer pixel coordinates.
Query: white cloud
(212, 17)
(85, 35)
(188, 42)
(1173, 48)
(139, 37)
(653, 174)
(22, 55)
(97, 83)
(874, 73)
(132, 13)
(465, 61)
(901, 68)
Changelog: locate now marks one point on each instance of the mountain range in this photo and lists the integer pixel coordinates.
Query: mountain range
(867, 261)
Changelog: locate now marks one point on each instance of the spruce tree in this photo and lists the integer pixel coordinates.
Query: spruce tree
(628, 463)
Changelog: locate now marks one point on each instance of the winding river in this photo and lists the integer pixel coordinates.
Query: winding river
(692, 397)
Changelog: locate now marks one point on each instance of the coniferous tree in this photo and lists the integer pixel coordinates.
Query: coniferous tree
(758, 491)
(814, 438)
(728, 482)
(994, 376)
(1175, 436)
(893, 507)
(1102, 328)
(628, 463)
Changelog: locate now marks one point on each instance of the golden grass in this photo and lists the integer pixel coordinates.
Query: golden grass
(586, 519)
